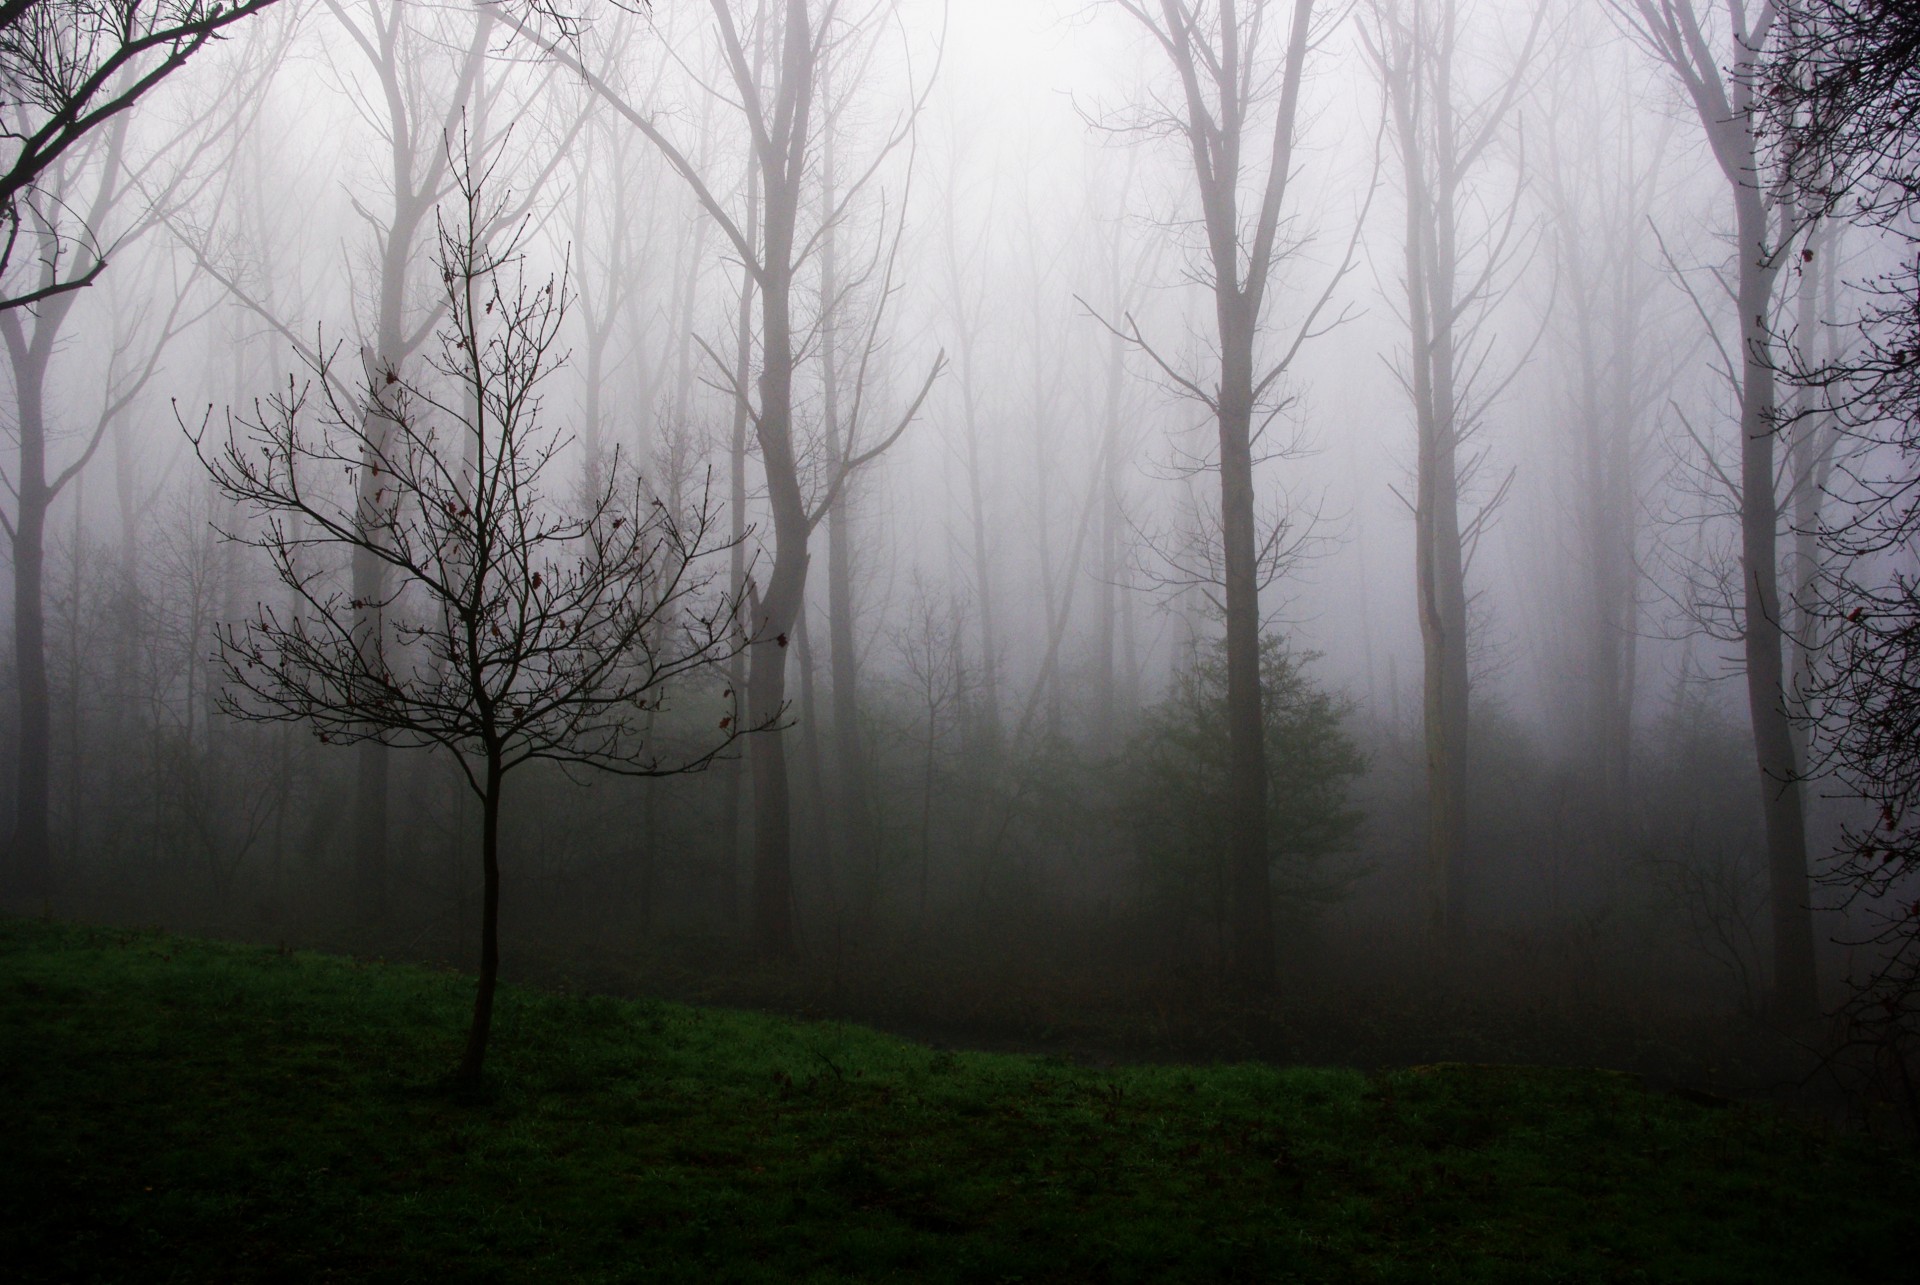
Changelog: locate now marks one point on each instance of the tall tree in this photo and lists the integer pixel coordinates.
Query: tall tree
(776, 235)
(1240, 65)
(1842, 106)
(428, 72)
(1717, 65)
(1611, 372)
(68, 190)
(1447, 136)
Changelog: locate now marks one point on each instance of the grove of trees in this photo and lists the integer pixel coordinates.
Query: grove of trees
(1222, 494)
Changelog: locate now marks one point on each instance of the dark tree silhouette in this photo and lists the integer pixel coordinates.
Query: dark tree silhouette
(524, 624)
(67, 67)
(1841, 95)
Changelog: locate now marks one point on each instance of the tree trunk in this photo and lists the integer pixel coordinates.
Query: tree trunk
(1107, 610)
(780, 606)
(1795, 989)
(1439, 570)
(473, 1060)
(1618, 557)
(850, 768)
(1251, 965)
(32, 874)
(819, 843)
(779, 609)
(732, 784)
(32, 849)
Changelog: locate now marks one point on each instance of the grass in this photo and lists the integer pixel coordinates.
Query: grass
(179, 1110)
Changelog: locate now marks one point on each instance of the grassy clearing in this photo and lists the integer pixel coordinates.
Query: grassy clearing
(176, 1110)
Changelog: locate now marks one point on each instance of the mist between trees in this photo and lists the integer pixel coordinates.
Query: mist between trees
(1143, 496)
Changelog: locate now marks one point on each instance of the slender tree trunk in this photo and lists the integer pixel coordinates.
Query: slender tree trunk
(843, 656)
(76, 677)
(32, 854)
(979, 541)
(1723, 100)
(32, 843)
(781, 177)
(1215, 126)
(819, 845)
(1618, 557)
(779, 609)
(1811, 438)
(1251, 965)
(982, 558)
(1795, 990)
(732, 781)
(1107, 686)
(473, 1059)
(1439, 568)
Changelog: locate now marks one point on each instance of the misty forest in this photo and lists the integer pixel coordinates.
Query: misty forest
(1160, 538)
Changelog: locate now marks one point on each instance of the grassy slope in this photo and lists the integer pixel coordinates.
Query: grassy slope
(179, 1110)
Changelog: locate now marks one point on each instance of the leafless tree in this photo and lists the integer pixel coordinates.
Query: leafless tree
(1715, 60)
(1612, 373)
(521, 629)
(431, 70)
(68, 68)
(103, 183)
(1842, 115)
(1457, 266)
(1240, 65)
(774, 61)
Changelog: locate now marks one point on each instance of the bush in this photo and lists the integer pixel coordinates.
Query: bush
(1177, 778)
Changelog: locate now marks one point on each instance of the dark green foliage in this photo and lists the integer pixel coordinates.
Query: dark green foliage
(180, 1111)
(1177, 788)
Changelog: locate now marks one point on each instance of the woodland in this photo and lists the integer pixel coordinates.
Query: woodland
(1352, 534)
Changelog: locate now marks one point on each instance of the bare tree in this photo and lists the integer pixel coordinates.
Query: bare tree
(1683, 35)
(430, 68)
(1456, 270)
(966, 298)
(1613, 376)
(776, 235)
(67, 69)
(99, 184)
(1842, 110)
(1240, 64)
(521, 630)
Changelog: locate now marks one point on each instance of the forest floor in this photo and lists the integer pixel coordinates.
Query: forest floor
(180, 1110)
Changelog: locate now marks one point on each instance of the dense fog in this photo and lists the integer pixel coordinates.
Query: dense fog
(874, 389)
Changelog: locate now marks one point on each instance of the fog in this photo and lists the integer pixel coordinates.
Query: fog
(950, 664)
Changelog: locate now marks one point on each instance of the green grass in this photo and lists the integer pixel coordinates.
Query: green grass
(178, 1110)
